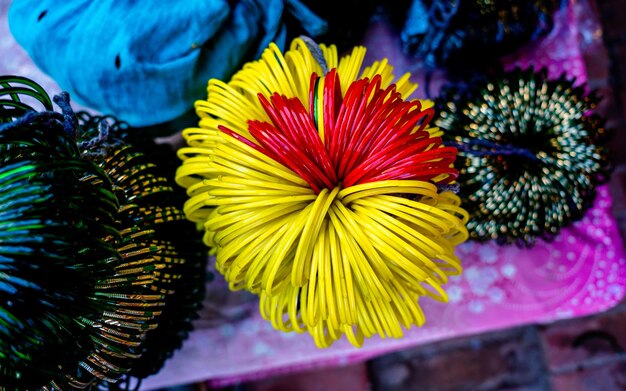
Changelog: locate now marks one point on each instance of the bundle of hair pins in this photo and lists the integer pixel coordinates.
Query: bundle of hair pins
(101, 274)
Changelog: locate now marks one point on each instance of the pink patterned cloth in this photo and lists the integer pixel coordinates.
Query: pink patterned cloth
(582, 272)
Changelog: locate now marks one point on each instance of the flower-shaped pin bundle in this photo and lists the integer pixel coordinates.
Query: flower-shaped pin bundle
(321, 189)
(532, 149)
(151, 215)
(72, 311)
(95, 254)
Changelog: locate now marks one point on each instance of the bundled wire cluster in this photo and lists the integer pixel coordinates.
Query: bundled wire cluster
(71, 310)
(457, 33)
(531, 152)
(151, 217)
(51, 262)
(87, 275)
(322, 190)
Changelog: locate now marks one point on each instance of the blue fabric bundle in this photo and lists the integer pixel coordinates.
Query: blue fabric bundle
(457, 34)
(147, 62)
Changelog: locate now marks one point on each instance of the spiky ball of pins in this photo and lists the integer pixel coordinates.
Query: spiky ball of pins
(321, 190)
(73, 308)
(531, 152)
(152, 204)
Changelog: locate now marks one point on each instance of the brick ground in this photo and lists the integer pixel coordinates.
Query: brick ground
(587, 354)
(509, 359)
(349, 378)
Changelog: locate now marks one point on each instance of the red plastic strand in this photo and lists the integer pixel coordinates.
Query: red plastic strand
(286, 153)
(370, 134)
(239, 137)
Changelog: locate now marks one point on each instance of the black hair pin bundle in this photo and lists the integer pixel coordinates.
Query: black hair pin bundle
(72, 315)
(151, 205)
(531, 152)
(87, 274)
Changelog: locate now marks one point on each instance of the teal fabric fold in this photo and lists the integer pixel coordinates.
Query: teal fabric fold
(148, 62)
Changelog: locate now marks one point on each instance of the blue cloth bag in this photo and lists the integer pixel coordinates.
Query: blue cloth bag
(146, 62)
